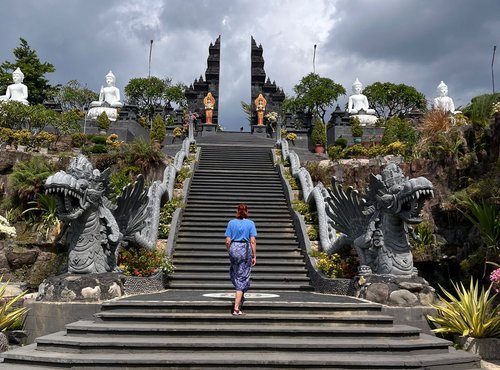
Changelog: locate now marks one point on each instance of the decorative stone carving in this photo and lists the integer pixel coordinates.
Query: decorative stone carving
(209, 103)
(260, 107)
(95, 228)
(377, 223)
(16, 91)
(109, 100)
(358, 105)
(443, 101)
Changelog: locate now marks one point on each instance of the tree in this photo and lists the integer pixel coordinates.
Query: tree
(247, 109)
(74, 95)
(315, 94)
(34, 71)
(389, 99)
(158, 130)
(152, 93)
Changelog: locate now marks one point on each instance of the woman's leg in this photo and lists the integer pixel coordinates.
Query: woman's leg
(237, 299)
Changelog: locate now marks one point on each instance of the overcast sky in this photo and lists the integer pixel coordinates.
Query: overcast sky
(416, 42)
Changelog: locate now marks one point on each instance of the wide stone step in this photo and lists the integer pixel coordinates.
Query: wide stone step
(274, 262)
(260, 254)
(256, 276)
(207, 235)
(255, 269)
(218, 359)
(261, 286)
(217, 248)
(223, 223)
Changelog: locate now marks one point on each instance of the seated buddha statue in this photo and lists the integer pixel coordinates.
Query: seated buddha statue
(109, 94)
(443, 101)
(358, 102)
(16, 91)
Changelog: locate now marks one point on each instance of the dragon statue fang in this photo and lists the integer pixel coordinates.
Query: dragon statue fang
(378, 223)
(95, 227)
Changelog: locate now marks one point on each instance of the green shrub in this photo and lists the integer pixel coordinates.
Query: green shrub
(312, 233)
(292, 181)
(318, 134)
(342, 142)
(122, 178)
(97, 139)
(103, 122)
(78, 139)
(329, 265)
(479, 109)
(96, 149)
(303, 208)
(166, 214)
(377, 150)
(144, 262)
(182, 175)
(318, 172)
(355, 151)
(158, 130)
(356, 128)
(334, 152)
(142, 154)
(397, 129)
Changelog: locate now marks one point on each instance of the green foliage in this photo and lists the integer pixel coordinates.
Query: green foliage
(181, 176)
(142, 154)
(97, 139)
(318, 172)
(291, 180)
(166, 214)
(312, 233)
(389, 99)
(27, 179)
(103, 122)
(356, 128)
(152, 93)
(74, 95)
(479, 109)
(123, 177)
(43, 213)
(14, 115)
(318, 134)
(355, 151)
(486, 219)
(329, 265)
(78, 139)
(334, 152)
(341, 142)
(398, 129)
(158, 130)
(144, 262)
(10, 312)
(34, 71)
(315, 94)
(469, 313)
(303, 208)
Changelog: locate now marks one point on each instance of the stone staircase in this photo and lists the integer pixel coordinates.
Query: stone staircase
(286, 326)
(225, 177)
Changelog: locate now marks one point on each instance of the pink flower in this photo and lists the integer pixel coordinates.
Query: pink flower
(495, 279)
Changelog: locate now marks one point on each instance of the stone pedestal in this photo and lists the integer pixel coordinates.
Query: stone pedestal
(208, 129)
(366, 119)
(395, 290)
(259, 130)
(81, 287)
(95, 112)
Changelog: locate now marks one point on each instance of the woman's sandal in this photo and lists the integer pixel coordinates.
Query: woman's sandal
(237, 313)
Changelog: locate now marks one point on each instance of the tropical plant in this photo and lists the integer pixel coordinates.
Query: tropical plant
(435, 121)
(27, 179)
(397, 129)
(318, 134)
(390, 99)
(158, 130)
(103, 122)
(142, 154)
(144, 262)
(247, 109)
(486, 219)
(10, 312)
(43, 213)
(480, 108)
(356, 128)
(122, 178)
(470, 313)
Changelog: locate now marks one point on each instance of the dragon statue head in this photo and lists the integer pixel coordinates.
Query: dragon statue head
(78, 189)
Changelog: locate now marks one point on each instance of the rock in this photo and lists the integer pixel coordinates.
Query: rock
(412, 287)
(4, 342)
(377, 292)
(92, 293)
(115, 291)
(12, 290)
(67, 295)
(403, 297)
(18, 258)
(426, 298)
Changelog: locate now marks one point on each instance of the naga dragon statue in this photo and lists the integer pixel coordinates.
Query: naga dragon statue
(95, 227)
(378, 224)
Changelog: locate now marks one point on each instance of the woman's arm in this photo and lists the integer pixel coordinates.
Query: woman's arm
(253, 243)
(228, 242)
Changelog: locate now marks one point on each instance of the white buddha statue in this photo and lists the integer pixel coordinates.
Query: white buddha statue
(358, 101)
(16, 91)
(443, 101)
(109, 94)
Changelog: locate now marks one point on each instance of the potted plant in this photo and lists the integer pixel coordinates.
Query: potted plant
(291, 136)
(356, 129)
(472, 317)
(318, 136)
(103, 123)
(44, 139)
(23, 139)
(158, 131)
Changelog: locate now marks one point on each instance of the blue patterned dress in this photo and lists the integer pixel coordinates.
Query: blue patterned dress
(240, 252)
